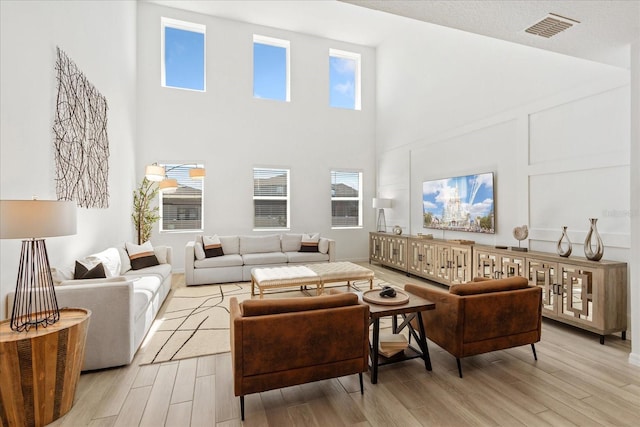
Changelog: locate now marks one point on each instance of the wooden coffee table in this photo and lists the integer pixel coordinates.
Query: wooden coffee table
(408, 311)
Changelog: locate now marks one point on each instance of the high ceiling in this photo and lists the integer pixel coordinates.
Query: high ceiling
(604, 33)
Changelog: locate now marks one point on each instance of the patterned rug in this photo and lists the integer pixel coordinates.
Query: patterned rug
(195, 321)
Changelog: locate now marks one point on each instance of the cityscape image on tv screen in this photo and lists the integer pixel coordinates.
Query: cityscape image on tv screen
(462, 203)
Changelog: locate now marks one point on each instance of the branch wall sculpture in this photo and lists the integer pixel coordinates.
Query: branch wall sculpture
(81, 142)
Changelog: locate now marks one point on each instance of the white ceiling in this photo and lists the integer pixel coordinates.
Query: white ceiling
(604, 34)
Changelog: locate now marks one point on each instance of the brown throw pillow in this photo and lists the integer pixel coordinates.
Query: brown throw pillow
(141, 256)
(82, 272)
(212, 246)
(310, 242)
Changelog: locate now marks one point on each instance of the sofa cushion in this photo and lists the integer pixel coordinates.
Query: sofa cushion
(298, 257)
(291, 242)
(264, 258)
(144, 289)
(260, 307)
(310, 242)
(219, 261)
(141, 256)
(488, 286)
(212, 246)
(259, 244)
(161, 271)
(230, 244)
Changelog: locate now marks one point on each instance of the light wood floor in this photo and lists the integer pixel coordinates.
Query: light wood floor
(576, 381)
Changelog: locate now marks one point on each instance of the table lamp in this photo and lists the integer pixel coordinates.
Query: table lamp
(35, 301)
(381, 204)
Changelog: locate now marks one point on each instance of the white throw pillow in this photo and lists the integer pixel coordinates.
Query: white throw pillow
(199, 250)
(323, 245)
(124, 259)
(161, 254)
(110, 259)
(61, 274)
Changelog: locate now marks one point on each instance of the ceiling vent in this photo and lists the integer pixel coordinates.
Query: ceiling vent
(551, 25)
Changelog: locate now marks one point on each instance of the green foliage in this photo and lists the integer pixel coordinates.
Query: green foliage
(427, 219)
(144, 216)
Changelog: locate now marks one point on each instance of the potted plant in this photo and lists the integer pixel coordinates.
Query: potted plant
(144, 216)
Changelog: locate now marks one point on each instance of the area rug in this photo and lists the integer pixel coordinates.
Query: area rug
(195, 321)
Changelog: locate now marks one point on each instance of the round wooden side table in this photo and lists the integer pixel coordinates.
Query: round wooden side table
(40, 369)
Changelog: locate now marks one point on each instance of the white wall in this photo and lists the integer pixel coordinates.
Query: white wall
(231, 132)
(554, 129)
(100, 38)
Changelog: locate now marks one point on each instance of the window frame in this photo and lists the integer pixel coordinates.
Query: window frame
(357, 57)
(272, 41)
(359, 198)
(169, 167)
(286, 197)
(185, 26)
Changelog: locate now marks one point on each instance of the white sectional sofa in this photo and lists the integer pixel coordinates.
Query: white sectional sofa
(123, 306)
(244, 253)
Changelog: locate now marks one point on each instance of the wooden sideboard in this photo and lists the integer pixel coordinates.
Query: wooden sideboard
(591, 295)
(441, 261)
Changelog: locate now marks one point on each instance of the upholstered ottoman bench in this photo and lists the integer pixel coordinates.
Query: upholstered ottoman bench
(342, 271)
(284, 277)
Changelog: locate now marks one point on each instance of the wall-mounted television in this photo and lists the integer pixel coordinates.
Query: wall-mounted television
(461, 203)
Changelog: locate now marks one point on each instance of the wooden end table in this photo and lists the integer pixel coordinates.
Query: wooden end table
(41, 368)
(408, 312)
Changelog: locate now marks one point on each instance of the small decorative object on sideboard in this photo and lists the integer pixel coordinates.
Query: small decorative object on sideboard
(520, 233)
(397, 230)
(589, 252)
(565, 237)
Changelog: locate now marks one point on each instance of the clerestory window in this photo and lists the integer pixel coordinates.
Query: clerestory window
(183, 55)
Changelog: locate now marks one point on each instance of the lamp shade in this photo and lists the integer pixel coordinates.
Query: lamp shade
(154, 173)
(25, 219)
(196, 173)
(168, 185)
(381, 203)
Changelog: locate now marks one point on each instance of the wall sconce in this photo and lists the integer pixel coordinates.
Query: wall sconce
(381, 204)
(157, 173)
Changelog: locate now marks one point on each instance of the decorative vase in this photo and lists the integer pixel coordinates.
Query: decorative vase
(589, 252)
(564, 252)
(397, 230)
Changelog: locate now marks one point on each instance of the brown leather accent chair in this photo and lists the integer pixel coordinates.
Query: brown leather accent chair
(483, 315)
(282, 342)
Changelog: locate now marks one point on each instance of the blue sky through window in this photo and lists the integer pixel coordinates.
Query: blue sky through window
(184, 58)
(342, 82)
(269, 71)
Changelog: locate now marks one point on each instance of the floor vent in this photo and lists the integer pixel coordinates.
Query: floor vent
(551, 25)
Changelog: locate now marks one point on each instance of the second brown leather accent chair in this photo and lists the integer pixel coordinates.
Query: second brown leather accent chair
(482, 316)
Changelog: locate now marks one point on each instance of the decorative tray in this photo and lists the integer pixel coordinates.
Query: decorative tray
(373, 296)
